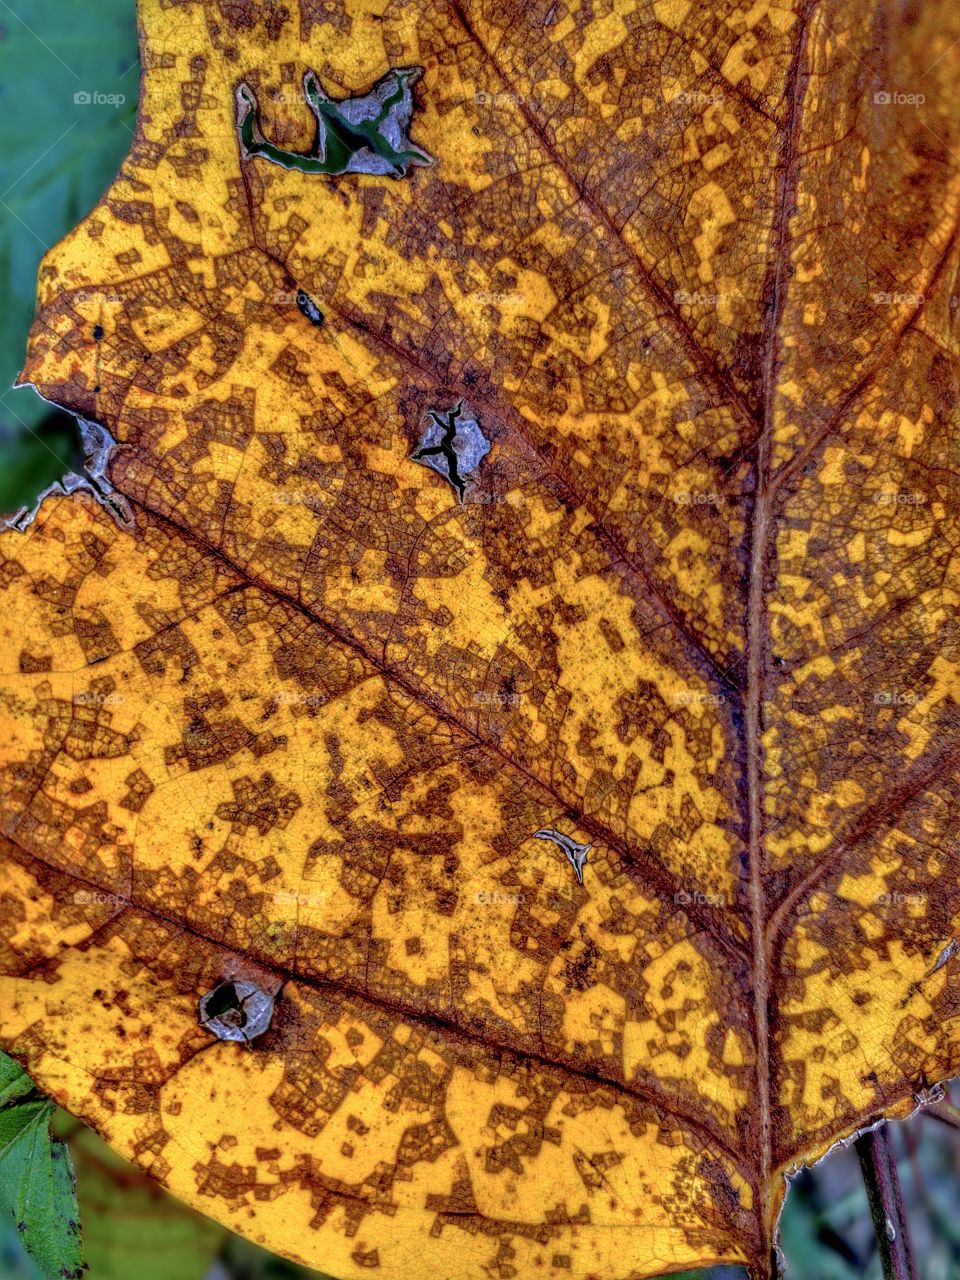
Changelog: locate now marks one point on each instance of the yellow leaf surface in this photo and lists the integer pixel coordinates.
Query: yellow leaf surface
(677, 282)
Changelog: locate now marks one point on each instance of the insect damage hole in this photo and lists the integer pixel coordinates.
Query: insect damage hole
(97, 445)
(236, 1010)
(452, 445)
(366, 134)
(947, 952)
(576, 853)
(309, 308)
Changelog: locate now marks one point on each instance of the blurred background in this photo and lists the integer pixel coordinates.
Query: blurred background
(68, 92)
(68, 89)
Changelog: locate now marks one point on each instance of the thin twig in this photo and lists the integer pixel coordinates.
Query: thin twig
(886, 1204)
(944, 1111)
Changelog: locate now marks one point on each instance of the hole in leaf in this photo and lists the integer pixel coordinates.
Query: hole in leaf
(96, 445)
(236, 1010)
(453, 445)
(366, 134)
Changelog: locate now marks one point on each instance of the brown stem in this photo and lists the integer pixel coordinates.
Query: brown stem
(886, 1204)
(944, 1111)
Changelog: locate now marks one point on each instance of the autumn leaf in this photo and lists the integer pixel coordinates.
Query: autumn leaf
(523, 709)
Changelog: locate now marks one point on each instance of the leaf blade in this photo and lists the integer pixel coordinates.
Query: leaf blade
(427, 686)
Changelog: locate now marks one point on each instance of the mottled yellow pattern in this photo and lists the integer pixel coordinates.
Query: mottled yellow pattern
(691, 268)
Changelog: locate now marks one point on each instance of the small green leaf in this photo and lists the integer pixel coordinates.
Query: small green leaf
(14, 1081)
(36, 1178)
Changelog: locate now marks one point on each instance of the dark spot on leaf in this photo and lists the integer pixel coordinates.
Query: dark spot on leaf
(579, 972)
(309, 308)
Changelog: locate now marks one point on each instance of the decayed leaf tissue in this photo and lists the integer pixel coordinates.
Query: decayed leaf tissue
(538, 428)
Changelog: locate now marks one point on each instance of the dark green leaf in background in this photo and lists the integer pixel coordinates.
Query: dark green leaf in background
(14, 1081)
(63, 72)
(132, 1228)
(135, 1230)
(36, 1178)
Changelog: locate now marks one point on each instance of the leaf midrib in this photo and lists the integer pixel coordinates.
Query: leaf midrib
(762, 524)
